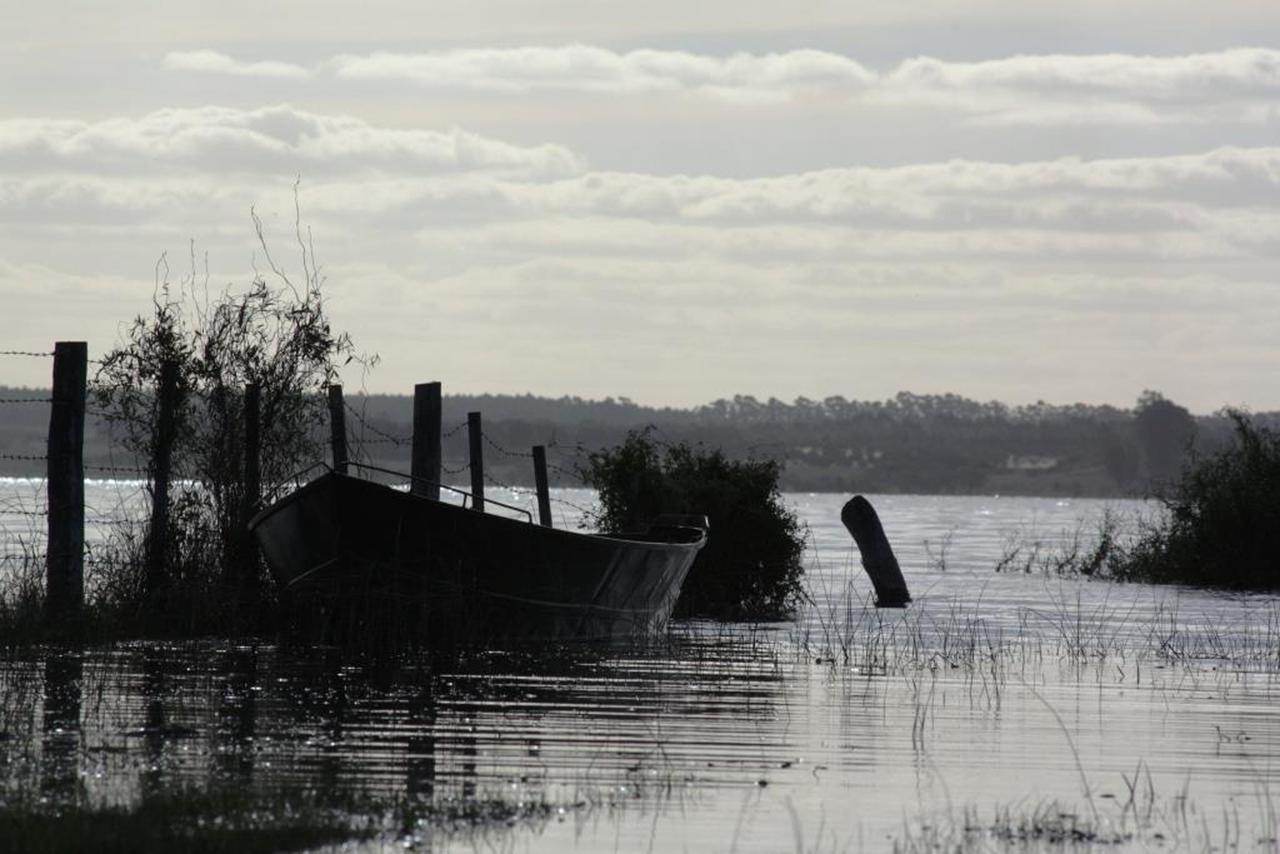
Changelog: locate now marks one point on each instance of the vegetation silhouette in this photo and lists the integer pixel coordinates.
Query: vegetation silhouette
(751, 566)
(197, 354)
(1221, 525)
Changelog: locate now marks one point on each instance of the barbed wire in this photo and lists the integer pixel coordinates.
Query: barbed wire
(117, 469)
(459, 470)
(560, 470)
(585, 511)
(26, 400)
(503, 450)
(518, 490)
(396, 440)
(30, 353)
(453, 431)
(526, 491)
(31, 458)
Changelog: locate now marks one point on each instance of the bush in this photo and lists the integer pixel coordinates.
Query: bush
(751, 565)
(1222, 522)
(273, 333)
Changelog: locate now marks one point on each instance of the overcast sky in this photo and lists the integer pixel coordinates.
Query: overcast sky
(674, 201)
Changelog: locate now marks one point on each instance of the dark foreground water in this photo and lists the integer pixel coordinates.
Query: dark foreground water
(1000, 710)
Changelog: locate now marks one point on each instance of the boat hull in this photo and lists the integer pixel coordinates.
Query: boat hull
(370, 558)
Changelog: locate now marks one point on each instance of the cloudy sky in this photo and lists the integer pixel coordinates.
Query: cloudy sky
(674, 201)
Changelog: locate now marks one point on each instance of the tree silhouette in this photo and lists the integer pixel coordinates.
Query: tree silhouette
(1165, 432)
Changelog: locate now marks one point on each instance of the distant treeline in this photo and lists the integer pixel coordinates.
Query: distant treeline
(909, 443)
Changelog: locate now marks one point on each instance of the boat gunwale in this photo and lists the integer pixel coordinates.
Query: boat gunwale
(331, 475)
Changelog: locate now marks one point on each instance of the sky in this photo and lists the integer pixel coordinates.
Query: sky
(671, 201)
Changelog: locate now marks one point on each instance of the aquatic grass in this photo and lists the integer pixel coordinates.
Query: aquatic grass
(1076, 551)
(236, 821)
(1132, 814)
(22, 579)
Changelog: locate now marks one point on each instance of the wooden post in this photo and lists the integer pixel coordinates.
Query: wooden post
(540, 484)
(64, 559)
(252, 495)
(427, 416)
(476, 436)
(860, 518)
(338, 429)
(161, 464)
(252, 449)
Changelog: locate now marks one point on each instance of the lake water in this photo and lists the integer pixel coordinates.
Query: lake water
(1001, 709)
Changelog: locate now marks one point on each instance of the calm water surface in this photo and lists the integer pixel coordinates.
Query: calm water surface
(1153, 709)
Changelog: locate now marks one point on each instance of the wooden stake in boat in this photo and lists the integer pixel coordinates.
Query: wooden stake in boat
(540, 485)
(877, 555)
(475, 437)
(427, 414)
(338, 429)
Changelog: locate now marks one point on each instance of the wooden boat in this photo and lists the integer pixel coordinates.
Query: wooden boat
(361, 556)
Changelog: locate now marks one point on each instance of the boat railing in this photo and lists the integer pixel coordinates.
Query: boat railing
(467, 497)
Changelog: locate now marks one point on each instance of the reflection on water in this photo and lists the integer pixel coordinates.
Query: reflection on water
(844, 729)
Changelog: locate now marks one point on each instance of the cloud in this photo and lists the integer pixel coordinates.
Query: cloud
(1190, 78)
(1215, 205)
(584, 68)
(1238, 84)
(1135, 194)
(219, 63)
(280, 139)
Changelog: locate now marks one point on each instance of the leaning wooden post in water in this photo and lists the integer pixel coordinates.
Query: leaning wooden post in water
(476, 436)
(64, 558)
(338, 429)
(427, 416)
(161, 465)
(540, 484)
(877, 555)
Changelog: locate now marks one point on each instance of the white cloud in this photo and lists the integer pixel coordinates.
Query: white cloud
(584, 68)
(1214, 205)
(1139, 194)
(1235, 73)
(219, 63)
(1238, 84)
(280, 139)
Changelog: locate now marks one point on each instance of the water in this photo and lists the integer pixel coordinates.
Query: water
(850, 729)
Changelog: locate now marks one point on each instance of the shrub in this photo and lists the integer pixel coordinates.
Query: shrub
(1221, 527)
(751, 565)
(274, 334)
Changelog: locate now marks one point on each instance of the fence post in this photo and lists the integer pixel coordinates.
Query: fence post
(426, 462)
(161, 462)
(252, 448)
(64, 557)
(540, 484)
(338, 429)
(476, 436)
(252, 495)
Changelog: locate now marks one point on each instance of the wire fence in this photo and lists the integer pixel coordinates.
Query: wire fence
(117, 493)
(27, 353)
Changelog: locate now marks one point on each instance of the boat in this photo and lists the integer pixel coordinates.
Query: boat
(359, 555)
